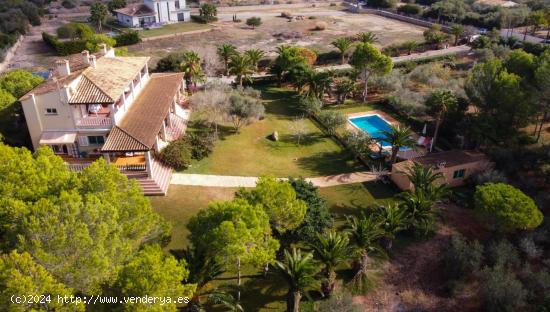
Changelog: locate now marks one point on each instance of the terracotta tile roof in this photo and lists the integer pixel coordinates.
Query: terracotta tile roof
(113, 74)
(451, 158)
(120, 141)
(136, 10)
(88, 93)
(52, 84)
(144, 119)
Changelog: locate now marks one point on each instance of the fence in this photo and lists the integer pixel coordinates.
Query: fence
(121, 168)
(404, 18)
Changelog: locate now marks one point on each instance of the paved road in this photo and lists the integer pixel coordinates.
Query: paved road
(237, 181)
(506, 33)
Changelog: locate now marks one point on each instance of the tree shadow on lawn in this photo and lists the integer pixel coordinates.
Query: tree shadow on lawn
(306, 139)
(283, 102)
(329, 163)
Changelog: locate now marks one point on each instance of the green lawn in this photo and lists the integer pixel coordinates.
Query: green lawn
(173, 29)
(252, 153)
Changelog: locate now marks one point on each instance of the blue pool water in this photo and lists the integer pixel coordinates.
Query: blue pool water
(373, 125)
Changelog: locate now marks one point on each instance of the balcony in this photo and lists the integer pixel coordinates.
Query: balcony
(94, 122)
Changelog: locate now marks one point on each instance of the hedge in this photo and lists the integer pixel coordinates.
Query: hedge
(128, 37)
(64, 47)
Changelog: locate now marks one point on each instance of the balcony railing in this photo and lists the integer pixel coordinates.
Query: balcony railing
(94, 122)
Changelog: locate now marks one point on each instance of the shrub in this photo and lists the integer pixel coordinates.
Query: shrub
(170, 63)
(501, 291)
(68, 4)
(506, 208)
(410, 8)
(332, 121)
(253, 22)
(463, 258)
(202, 144)
(127, 37)
(320, 26)
(382, 3)
(177, 154)
(310, 105)
(286, 14)
(528, 246)
(503, 254)
(489, 176)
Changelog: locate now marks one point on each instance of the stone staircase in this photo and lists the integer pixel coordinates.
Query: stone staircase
(158, 184)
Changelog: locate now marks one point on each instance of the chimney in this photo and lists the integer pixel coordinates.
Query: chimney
(63, 68)
(93, 61)
(85, 56)
(103, 48)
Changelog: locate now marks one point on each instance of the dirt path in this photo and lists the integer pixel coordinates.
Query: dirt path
(414, 278)
(236, 181)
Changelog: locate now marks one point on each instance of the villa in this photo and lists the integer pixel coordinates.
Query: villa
(101, 105)
(153, 12)
(455, 165)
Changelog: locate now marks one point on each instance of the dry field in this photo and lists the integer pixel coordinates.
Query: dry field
(267, 36)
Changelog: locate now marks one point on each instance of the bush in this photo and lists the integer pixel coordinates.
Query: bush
(489, 176)
(68, 4)
(177, 154)
(463, 258)
(253, 22)
(286, 14)
(310, 105)
(320, 26)
(332, 120)
(501, 291)
(382, 3)
(411, 9)
(202, 144)
(503, 254)
(170, 63)
(127, 37)
(531, 250)
(506, 208)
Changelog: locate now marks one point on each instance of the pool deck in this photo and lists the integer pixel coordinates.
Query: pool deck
(408, 154)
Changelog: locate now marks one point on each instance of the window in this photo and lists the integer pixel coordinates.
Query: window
(459, 174)
(177, 3)
(51, 111)
(99, 139)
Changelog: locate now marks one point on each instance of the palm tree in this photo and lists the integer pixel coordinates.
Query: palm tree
(394, 220)
(202, 270)
(439, 102)
(419, 211)
(331, 249)
(299, 273)
(398, 137)
(364, 235)
(423, 178)
(225, 51)
(343, 44)
(255, 55)
(457, 30)
(240, 66)
(191, 66)
(98, 14)
(367, 37)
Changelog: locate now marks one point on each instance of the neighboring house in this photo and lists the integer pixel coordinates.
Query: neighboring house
(456, 166)
(153, 12)
(101, 105)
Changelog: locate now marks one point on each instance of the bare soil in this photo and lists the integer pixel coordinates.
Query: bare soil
(276, 30)
(414, 280)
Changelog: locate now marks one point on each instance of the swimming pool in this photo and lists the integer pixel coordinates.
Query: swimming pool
(374, 125)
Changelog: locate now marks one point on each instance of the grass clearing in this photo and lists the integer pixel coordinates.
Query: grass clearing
(252, 153)
(172, 29)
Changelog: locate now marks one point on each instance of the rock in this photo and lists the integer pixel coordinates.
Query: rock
(275, 136)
